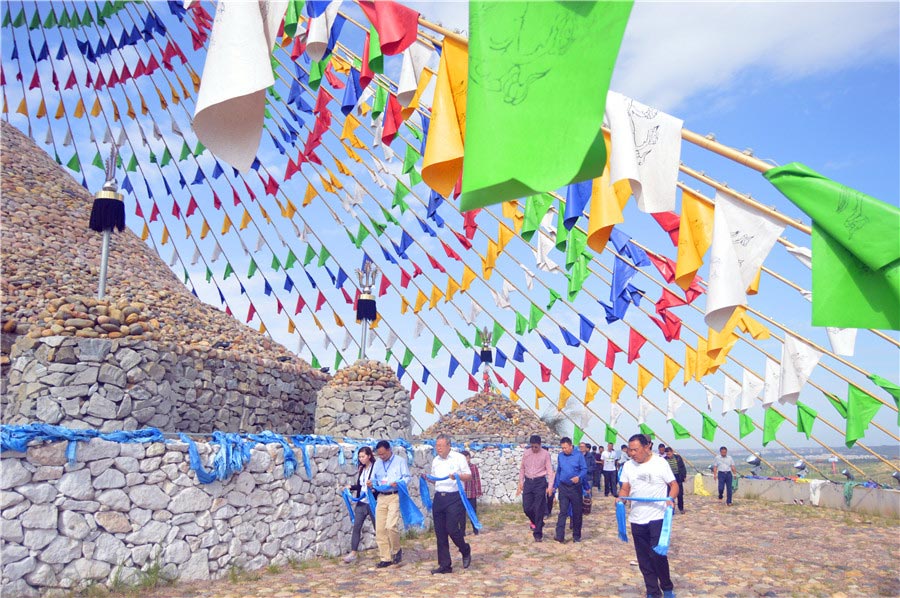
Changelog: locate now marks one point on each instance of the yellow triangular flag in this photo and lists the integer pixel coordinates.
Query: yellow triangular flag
(338, 321)
(436, 295)
(60, 110)
(513, 396)
(644, 378)
(245, 220)
(187, 231)
(703, 361)
(289, 210)
(350, 124)
(564, 394)
(429, 406)
(130, 112)
(335, 182)
(95, 111)
(467, 278)
(442, 164)
(327, 186)
(453, 404)
(504, 236)
(204, 230)
(262, 328)
(690, 363)
(538, 394)
(617, 385)
(694, 237)
(755, 328)
(452, 287)
(754, 286)
(226, 224)
(670, 370)
(607, 203)
(489, 259)
(79, 108)
(265, 214)
(424, 79)
(145, 232)
(353, 155)
(421, 299)
(375, 322)
(404, 305)
(311, 192)
(590, 390)
(341, 168)
(144, 109)
(116, 117)
(291, 327)
(165, 236)
(42, 109)
(317, 322)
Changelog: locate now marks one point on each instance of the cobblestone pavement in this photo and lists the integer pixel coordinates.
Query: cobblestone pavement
(753, 548)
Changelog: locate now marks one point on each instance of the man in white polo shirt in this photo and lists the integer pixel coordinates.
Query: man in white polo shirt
(649, 476)
(447, 509)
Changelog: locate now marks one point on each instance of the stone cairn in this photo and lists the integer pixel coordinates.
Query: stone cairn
(364, 400)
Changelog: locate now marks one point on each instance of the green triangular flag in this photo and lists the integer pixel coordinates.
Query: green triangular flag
(400, 191)
(746, 424)
(409, 161)
(611, 434)
(381, 98)
(199, 149)
(361, 235)
(186, 277)
(562, 233)
(378, 226)
(35, 21)
(292, 16)
(98, 162)
(315, 362)
(316, 72)
(679, 431)
(388, 216)
(709, 428)
(576, 247)
(208, 274)
(551, 123)
(435, 347)
(291, 260)
(770, 425)
(554, 297)
(20, 19)
(7, 18)
(323, 256)
(536, 207)
(276, 264)
(577, 275)
(891, 388)
(465, 342)
(338, 358)
(252, 269)
(416, 132)
(152, 157)
(64, 19)
(166, 157)
(388, 355)
(376, 59)
(228, 271)
(87, 18)
(478, 338)
(521, 323)
(414, 178)
(132, 164)
(310, 254)
(107, 10)
(806, 417)
(534, 317)
(496, 333)
(185, 151)
(577, 435)
(51, 21)
(407, 358)
(74, 163)
(861, 408)
(856, 256)
(646, 431)
(349, 234)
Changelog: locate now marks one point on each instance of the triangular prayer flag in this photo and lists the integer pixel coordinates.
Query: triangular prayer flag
(616, 388)
(670, 370)
(679, 431)
(861, 408)
(709, 428)
(694, 237)
(806, 417)
(443, 160)
(644, 378)
(635, 342)
(772, 422)
(746, 424)
(610, 434)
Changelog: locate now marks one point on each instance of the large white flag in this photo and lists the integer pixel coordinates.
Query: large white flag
(730, 395)
(773, 383)
(415, 58)
(798, 359)
(742, 238)
(228, 117)
(319, 31)
(646, 149)
(750, 389)
(674, 402)
(643, 410)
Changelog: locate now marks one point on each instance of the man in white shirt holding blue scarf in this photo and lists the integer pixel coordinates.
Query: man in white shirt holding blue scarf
(447, 510)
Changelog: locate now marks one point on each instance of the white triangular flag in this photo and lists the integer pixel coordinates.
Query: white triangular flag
(48, 138)
(646, 149)
(742, 238)
(157, 134)
(319, 30)
(420, 327)
(773, 383)
(672, 405)
(643, 410)
(217, 251)
(347, 339)
(259, 242)
(92, 138)
(501, 301)
(415, 58)
(730, 395)
(798, 360)
(196, 257)
(389, 154)
(327, 342)
(176, 129)
(804, 254)
(108, 136)
(391, 339)
(369, 340)
(614, 412)
(843, 340)
(542, 252)
(508, 288)
(174, 257)
(750, 389)
(529, 278)
(67, 140)
(301, 344)
(122, 137)
(710, 393)
(230, 106)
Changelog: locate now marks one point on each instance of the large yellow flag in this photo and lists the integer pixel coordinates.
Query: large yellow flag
(590, 390)
(670, 370)
(694, 237)
(452, 287)
(607, 203)
(467, 278)
(421, 299)
(310, 194)
(436, 295)
(564, 394)
(617, 385)
(644, 378)
(442, 165)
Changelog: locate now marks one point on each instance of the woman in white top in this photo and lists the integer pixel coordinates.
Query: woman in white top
(361, 509)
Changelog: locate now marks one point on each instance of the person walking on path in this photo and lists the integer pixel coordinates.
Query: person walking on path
(388, 471)
(473, 486)
(680, 471)
(361, 511)
(447, 510)
(610, 460)
(724, 471)
(570, 470)
(648, 476)
(536, 485)
(598, 469)
(585, 450)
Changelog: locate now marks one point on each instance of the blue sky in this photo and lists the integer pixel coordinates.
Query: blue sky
(811, 82)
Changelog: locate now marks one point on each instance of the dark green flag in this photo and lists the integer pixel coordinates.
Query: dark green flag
(771, 424)
(806, 417)
(856, 255)
(538, 77)
(709, 428)
(861, 408)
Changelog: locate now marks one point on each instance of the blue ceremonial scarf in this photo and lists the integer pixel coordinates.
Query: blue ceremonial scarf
(426, 497)
(662, 548)
(408, 510)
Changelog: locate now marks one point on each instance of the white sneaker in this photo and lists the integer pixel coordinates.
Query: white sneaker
(350, 557)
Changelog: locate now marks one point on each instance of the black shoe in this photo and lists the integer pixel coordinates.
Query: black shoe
(397, 557)
(383, 564)
(576, 540)
(560, 540)
(467, 560)
(442, 570)
(681, 511)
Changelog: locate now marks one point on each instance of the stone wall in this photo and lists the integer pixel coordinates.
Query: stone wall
(125, 384)
(364, 400)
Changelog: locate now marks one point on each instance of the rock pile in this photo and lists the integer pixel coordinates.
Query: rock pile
(50, 264)
(364, 400)
(489, 416)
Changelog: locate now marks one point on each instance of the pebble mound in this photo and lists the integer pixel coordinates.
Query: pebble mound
(491, 416)
(51, 261)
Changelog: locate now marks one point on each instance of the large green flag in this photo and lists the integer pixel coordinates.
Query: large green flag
(745, 423)
(856, 255)
(611, 434)
(679, 431)
(496, 333)
(538, 77)
(646, 431)
(709, 428)
(577, 435)
(806, 417)
(770, 426)
(861, 408)
(889, 386)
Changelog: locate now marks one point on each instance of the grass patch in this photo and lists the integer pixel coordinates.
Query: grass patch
(273, 569)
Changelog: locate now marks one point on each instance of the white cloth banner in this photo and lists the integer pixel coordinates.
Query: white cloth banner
(742, 238)
(750, 389)
(710, 393)
(415, 58)
(730, 395)
(228, 117)
(529, 278)
(798, 360)
(501, 300)
(646, 149)
(319, 30)
(217, 251)
(673, 404)
(772, 384)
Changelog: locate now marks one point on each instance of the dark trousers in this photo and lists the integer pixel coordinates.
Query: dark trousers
(534, 503)
(725, 479)
(569, 497)
(474, 503)
(449, 524)
(680, 494)
(609, 483)
(598, 478)
(361, 510)
(654, 568)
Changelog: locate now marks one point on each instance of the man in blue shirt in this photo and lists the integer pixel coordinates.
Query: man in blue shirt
(389, 470)
(570, 470)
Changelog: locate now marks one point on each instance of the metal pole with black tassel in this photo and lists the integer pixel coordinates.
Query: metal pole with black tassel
(107, 213)
(366, 310)
(487, 357)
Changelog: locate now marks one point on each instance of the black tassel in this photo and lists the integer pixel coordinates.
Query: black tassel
(365, 309)
(487, 356)
(107, 214)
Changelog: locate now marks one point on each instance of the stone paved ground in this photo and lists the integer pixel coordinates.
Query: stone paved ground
(754, 548)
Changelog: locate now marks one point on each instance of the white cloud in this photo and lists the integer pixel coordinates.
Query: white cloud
(673, 51)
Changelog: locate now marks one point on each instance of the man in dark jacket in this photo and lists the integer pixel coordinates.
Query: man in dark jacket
(677, 464)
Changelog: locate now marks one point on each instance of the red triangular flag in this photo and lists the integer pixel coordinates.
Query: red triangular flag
(694, 291)
(365, 73)
(565, 370)
(665, 266)
(450, 252)
(217, 203)
(469, 223)
(347, 298)
(291, 169)
(545, 373)
(416, 269)
(70, 82)
(667, 300)
(518, 378)
(250, 313)
(154, 212)
(670, 222)
(670, 324)
(271, 186)
(320, 300)
(413, 390)
(176, 210)
(611, 350)
(473, 383)
(590, 361)
(397, 25)
(138, 211)
(392, 120)
(436, 265)
(333, 78)
(300, 305)
(635, 342)
(322, 99)
(385, 283)
(463, 240)
(438, 395)
(404, 278)
(278, 307)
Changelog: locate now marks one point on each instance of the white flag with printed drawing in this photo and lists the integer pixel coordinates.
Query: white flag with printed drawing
(673, 404)
(772, 384)
(643, 410)
(742, 238)
(730, 395)
(798, 360)
(229, 113)
(614, 412)
(750, 389)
